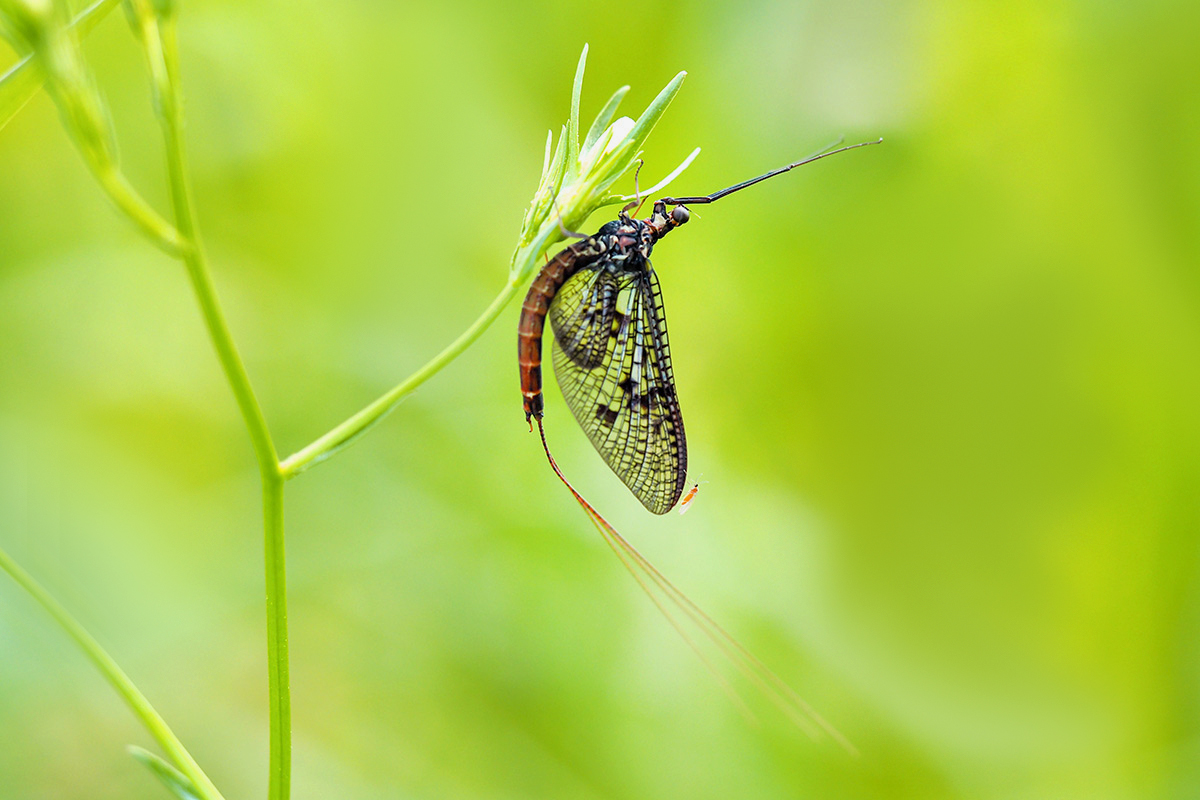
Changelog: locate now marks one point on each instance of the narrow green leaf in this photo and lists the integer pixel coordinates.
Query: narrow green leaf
(604, 118)
(546, 156)
(613, 199)
(175, 781)
(624, 155)
(542, 183)
(24, 79)
(558, 163)
(573, 120)
(542, 201)
(552, 176)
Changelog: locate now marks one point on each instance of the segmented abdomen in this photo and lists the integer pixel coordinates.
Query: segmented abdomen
(533, 319)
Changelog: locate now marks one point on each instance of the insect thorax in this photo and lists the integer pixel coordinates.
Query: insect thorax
(626, 245)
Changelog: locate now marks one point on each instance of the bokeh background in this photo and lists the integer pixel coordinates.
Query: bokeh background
(944, 392)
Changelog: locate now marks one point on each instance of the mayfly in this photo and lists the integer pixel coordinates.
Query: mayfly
(613, 364)
(611, 354)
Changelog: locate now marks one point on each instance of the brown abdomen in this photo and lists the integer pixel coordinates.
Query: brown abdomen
(533, 320)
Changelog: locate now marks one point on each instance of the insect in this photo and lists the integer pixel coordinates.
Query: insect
(614, 367)
(611, 353)
(686, 502)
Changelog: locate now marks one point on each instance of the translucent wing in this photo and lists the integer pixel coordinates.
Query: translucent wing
(581, 315)
(613, 364)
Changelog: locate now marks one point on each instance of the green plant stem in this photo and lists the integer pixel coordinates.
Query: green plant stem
(355, 426)
(279, 780)
(586, 194)
(116, 677)
(278, 682)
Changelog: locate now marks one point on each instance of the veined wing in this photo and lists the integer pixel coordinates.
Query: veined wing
(613, 364)
(581, 315)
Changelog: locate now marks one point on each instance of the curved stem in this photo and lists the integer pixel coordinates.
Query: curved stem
(116, 677)
(345, 433)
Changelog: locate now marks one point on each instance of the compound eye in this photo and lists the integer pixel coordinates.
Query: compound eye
(680, 215)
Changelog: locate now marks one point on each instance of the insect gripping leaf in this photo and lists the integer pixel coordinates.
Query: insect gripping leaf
(611, 354)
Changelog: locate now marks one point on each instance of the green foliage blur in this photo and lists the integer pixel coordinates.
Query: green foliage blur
(944, 393)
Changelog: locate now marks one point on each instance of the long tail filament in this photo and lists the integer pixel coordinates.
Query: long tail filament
(647, 575)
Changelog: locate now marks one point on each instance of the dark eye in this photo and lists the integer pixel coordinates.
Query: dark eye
(680, 215)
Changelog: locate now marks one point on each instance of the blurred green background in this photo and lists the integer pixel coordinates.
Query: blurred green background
(944, 393)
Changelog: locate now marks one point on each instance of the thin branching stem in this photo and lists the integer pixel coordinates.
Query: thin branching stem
(360, 423)
(587, 191)
(524, 261)
(128, 201)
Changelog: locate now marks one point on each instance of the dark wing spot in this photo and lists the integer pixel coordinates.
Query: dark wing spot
(607, 416)
(634, 391)
(620, 324)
